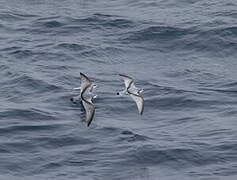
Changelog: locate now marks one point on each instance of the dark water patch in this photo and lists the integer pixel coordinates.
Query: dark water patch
(15, 16)
(215, 132)
(5, 68)
(49, 44)
(50, 166)
(126, 132)
(84, 162)
(19, 146)
(92, 53)
(3, 150)
(157, 33)
(48, 18)
(225, 91)
(229, 85)
(156, 89)
(109, 131)
(30, 83)
(52, 24)
(45, 56)
(26, 114)
(212, 40)
(225, 32)
(223, 87)
(63, 141)
(132, 137)
(76, 30)
(104, 21)
(48, 24)
(12, 49)
(221, 40)
(103, 15)
(94, 18)
(28, 128)
(229, 13)
(189, 103)
(103, 52)
(186, 120)
(172, 100)
(225, 147)
(163, 4)
(119, 23)
(232, 111)
(85, 152)
(113, 51)
(9, 16)
(175, 157)
(72, 46)
(22, 53)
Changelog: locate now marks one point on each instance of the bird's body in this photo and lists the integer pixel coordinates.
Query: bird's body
(88, 105)
(133, 91)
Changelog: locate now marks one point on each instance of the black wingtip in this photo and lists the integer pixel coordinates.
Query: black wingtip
(88, 124)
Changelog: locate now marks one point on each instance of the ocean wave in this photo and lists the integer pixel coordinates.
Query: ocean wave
(72, 25)
(132, 137)
(104, 21)
(173, 157)
(52, 24)
(64, 141)
(12, 49)
(72, 46)
(13, 16)
(31, 83)
(221, 40)
(26, 114)
(21, 53)
(157, 33)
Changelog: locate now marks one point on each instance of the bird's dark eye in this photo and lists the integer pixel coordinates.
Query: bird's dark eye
(117, 93)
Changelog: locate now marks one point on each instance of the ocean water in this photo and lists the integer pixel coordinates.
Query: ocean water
(182, 52)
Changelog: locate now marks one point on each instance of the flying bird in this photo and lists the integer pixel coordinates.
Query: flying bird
(133, 91)
(86, 96)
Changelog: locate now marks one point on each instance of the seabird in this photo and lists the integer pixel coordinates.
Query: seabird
(134, 92)
(86, 97)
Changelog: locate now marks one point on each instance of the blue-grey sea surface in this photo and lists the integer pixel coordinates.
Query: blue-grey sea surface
(182, 52)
